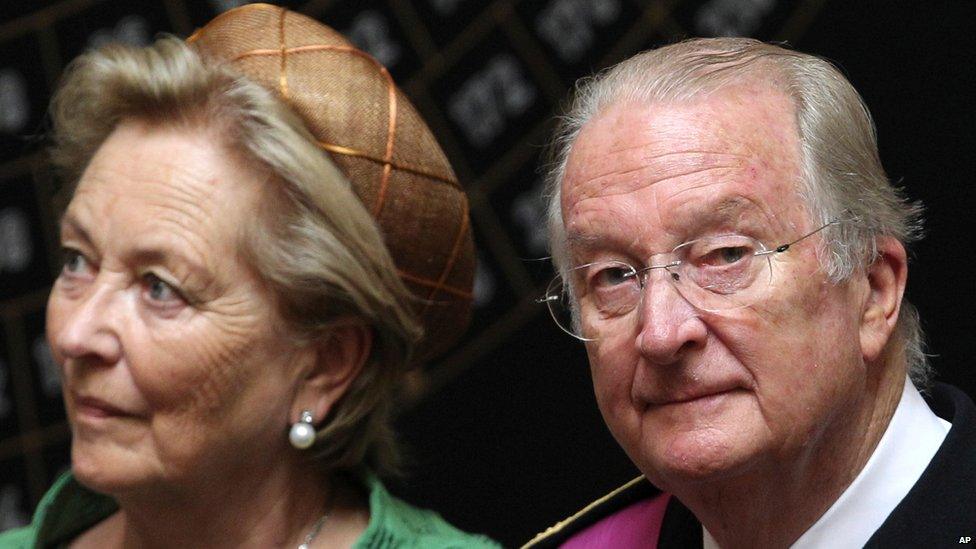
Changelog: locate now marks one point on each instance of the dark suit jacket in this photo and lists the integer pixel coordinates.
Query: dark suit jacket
(938, 511)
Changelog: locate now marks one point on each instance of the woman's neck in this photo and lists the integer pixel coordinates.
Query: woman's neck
(276, 508)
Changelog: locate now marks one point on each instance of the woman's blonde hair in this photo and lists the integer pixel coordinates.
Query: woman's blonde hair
(315, 245)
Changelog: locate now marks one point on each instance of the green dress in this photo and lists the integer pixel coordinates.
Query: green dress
(68, 509)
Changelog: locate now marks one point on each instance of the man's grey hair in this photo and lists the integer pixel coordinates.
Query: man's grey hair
(842, 177)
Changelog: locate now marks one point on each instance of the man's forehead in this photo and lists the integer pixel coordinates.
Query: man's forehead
(707, 212)
(724, 118)
(643, 170)
(631, 145)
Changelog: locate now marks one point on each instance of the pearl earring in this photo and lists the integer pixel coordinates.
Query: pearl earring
(302, 434)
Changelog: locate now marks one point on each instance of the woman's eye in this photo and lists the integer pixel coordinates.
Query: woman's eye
(159, 290)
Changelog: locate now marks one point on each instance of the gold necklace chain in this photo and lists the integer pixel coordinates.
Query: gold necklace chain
(314, 532)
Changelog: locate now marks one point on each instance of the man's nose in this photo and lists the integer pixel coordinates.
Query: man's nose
(669, 324)
(87, 329)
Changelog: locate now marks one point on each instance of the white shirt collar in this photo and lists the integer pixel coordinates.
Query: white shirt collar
(911, 440)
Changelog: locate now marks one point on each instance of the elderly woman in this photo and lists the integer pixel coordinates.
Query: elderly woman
(234, 315)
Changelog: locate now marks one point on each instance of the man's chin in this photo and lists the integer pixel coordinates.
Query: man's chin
(689, 462)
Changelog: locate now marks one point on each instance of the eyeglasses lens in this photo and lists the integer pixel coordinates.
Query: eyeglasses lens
(712, 274)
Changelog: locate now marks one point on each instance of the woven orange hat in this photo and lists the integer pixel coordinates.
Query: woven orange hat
(371, 131)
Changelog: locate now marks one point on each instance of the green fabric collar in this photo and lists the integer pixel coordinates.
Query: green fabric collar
(68, 509)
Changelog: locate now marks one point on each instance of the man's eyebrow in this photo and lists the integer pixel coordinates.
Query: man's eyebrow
(587, 242)
(581, 239)
(724, 211)
(733, 204)
(69, 221)
(731, 207)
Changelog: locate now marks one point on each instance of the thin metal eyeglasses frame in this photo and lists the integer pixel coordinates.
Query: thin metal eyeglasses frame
(671, 264)
(777, 250)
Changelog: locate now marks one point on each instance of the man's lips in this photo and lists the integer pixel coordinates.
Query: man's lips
(685, 397)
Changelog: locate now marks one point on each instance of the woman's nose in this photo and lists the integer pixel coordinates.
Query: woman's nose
(669, 324)
(85, 326)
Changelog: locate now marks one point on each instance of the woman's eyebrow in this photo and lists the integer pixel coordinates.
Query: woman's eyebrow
(164, 255)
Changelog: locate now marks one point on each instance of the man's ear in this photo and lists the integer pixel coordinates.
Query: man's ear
(336, 361)
(886, 279)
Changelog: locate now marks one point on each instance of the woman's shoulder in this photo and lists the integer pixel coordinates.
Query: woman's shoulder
(396, 523)
(17, 538)
(65, 510)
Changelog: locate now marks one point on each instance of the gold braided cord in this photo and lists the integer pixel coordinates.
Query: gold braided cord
(432, 284)
(306, 49)
(339, 149)
(455, 251)
(390, 137)
(282, 74)
(347, 151)
(390, 89)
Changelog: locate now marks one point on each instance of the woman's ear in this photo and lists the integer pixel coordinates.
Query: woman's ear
(886, 279)
(337, 359)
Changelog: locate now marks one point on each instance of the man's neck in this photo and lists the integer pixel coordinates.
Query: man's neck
(796, 489)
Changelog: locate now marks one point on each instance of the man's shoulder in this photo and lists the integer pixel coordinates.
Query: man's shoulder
(940, 505)
(950, 403)
(636, 496)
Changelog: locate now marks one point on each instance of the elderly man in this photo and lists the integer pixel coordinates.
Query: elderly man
(733, 257)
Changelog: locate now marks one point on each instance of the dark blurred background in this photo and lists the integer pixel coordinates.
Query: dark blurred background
(507, 438)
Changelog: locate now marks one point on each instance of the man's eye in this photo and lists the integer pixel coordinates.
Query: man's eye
(74, 262)
(159, 290)
(727, 255)
(613, 276)
(731, 255)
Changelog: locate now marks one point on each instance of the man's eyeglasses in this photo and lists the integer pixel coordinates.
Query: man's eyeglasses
(716, 273)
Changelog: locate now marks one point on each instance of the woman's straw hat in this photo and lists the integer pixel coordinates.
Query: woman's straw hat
(371, 131)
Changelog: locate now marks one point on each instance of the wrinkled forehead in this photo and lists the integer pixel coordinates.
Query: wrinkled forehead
(736, 126)
(171, 181)
(740, 142)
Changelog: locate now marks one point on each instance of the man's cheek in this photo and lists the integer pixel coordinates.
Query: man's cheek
(612, 394)
(607, 391)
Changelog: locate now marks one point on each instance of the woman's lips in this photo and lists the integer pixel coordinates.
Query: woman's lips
(97, 408)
